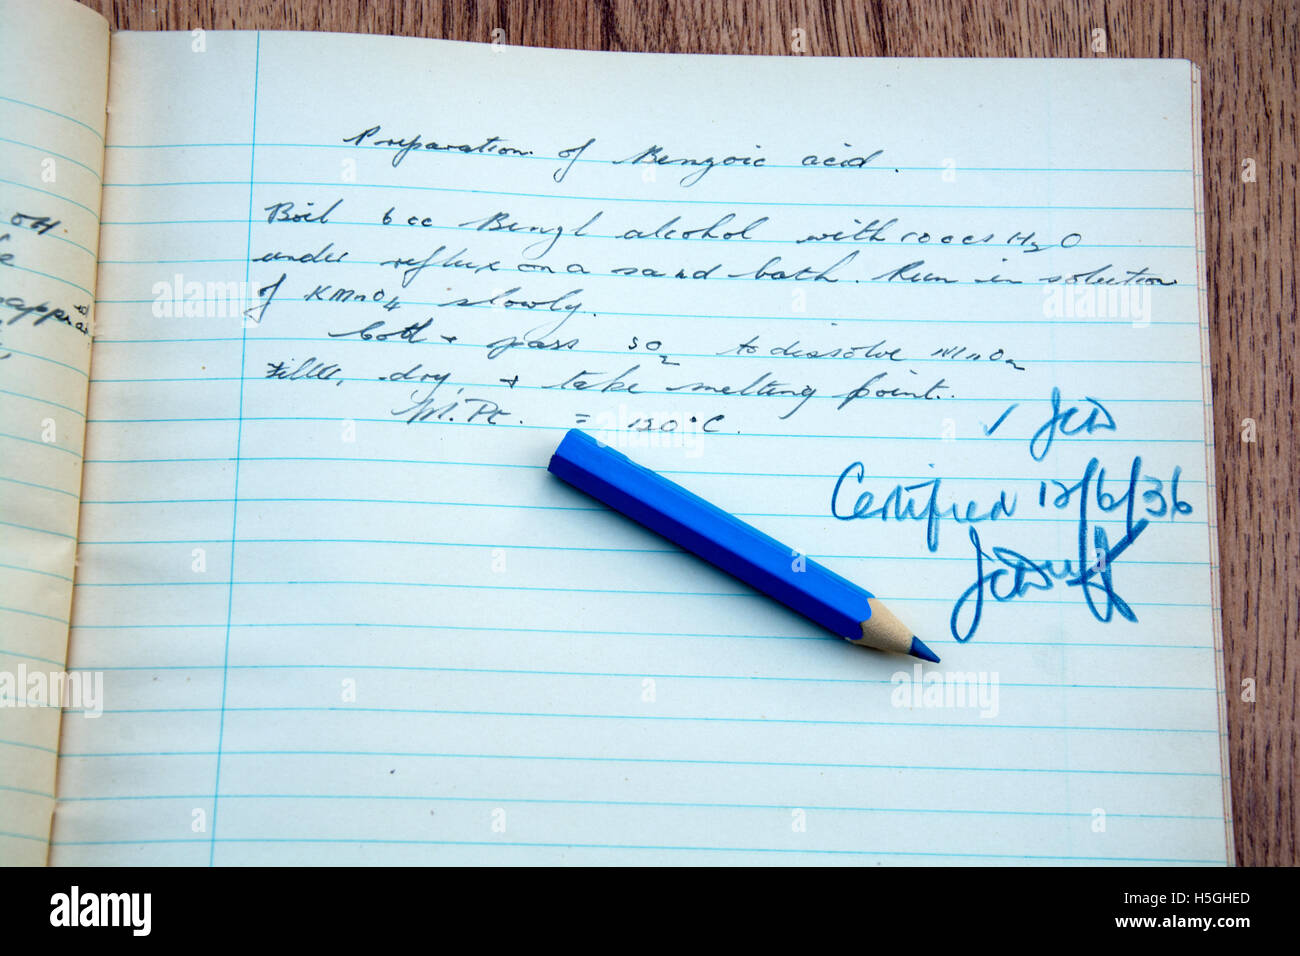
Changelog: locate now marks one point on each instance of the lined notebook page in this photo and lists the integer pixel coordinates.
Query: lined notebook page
(344, 614)
(53, 83)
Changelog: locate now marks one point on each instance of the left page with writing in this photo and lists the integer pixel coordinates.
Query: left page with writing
(53, 91)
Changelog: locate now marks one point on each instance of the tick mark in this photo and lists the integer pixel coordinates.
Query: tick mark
(990, 429)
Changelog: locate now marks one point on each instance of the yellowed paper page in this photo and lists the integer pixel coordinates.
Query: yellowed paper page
(53, 87)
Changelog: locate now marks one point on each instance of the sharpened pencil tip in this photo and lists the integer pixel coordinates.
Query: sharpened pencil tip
(923, 652)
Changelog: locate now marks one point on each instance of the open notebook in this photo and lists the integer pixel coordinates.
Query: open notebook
(292, 323)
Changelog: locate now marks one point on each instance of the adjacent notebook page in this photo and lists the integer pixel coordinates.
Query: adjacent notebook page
(53, 84)
(935, 323)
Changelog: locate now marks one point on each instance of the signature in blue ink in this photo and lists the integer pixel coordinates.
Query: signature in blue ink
(1003, 575)
(1016, 575)
(1067, 422)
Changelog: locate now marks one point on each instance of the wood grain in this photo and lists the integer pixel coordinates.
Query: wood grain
(1248, 56)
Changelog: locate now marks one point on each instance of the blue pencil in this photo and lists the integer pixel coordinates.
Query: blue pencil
(734, 546)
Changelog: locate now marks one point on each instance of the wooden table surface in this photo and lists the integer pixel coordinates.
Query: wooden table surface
(1248, 53)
